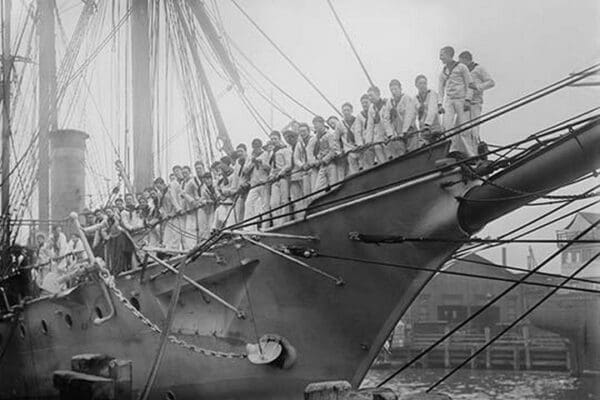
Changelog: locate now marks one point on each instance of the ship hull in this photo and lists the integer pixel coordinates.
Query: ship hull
(335, 330)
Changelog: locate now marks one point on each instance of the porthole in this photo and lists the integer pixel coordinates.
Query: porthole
(135, 302)
(22, 330)
(170, 396)
(44, 327)
(99, 313)
(69, 320)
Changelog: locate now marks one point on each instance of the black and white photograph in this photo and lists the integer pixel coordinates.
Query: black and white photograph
(299, 200)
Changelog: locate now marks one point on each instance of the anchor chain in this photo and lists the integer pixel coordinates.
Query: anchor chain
(109, 280)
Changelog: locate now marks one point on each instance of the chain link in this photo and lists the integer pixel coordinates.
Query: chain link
(109, 280)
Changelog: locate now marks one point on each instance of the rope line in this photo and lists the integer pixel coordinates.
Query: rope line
(457, 273)
(339, 21)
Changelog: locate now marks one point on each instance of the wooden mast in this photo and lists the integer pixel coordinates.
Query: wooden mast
(6, 69)
(47, 103)
(223, 135)
(143, 160)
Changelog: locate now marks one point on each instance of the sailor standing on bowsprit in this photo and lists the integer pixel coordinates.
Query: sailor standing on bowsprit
(482, 81)
(455, 102)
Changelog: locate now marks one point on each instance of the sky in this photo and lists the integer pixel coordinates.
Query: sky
(524, 44)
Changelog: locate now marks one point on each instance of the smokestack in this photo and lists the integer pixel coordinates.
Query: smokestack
(67, 172)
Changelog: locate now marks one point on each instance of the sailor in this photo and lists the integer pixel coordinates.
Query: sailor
(118, 248)
(427, 111)
(240, 182)
(351, 138)
(119, 204)
(75, 248)
(456, 95)
(205, 197)
(143, 211)
(297, 173)
(170, 209)
(208, 202)
(94, 232)
(327, 148)
(43, 255)
(377, 131)
(131, 221)
(366, 155)
(58, 241)
(129, 217)
(306, 155)
(154, 217)
(401, 115)
(257, 172)
(225, 192)
(482, 81)
(188, 201)
(280, 161)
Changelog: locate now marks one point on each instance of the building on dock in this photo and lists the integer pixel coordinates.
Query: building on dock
(449, 299)
(575, 315)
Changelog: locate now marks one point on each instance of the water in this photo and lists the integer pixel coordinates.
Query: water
(493, 385)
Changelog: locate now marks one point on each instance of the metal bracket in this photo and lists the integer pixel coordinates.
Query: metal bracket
(338, 280)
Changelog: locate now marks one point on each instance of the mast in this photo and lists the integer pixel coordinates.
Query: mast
(223, 135)
(47, 103)
(143, 161)
(6, 69)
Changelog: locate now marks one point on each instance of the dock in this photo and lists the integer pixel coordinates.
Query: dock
(516, 351)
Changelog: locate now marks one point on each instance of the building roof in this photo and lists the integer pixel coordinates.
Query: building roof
(478, 265)
(590, 217)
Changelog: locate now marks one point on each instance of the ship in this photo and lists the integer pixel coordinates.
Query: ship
(262, 314)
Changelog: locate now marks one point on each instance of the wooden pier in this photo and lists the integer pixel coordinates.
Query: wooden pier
(513, 351)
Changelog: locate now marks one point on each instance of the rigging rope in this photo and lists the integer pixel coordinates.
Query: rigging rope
(96, 52)
(339, 21)
(395, 239)
(456, 273)
(289, 60)
(518, 269)
(268, 79)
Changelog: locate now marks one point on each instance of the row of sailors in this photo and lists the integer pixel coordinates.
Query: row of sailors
(301, 161)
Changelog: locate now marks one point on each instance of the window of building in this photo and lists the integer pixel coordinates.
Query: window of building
(511, 308)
